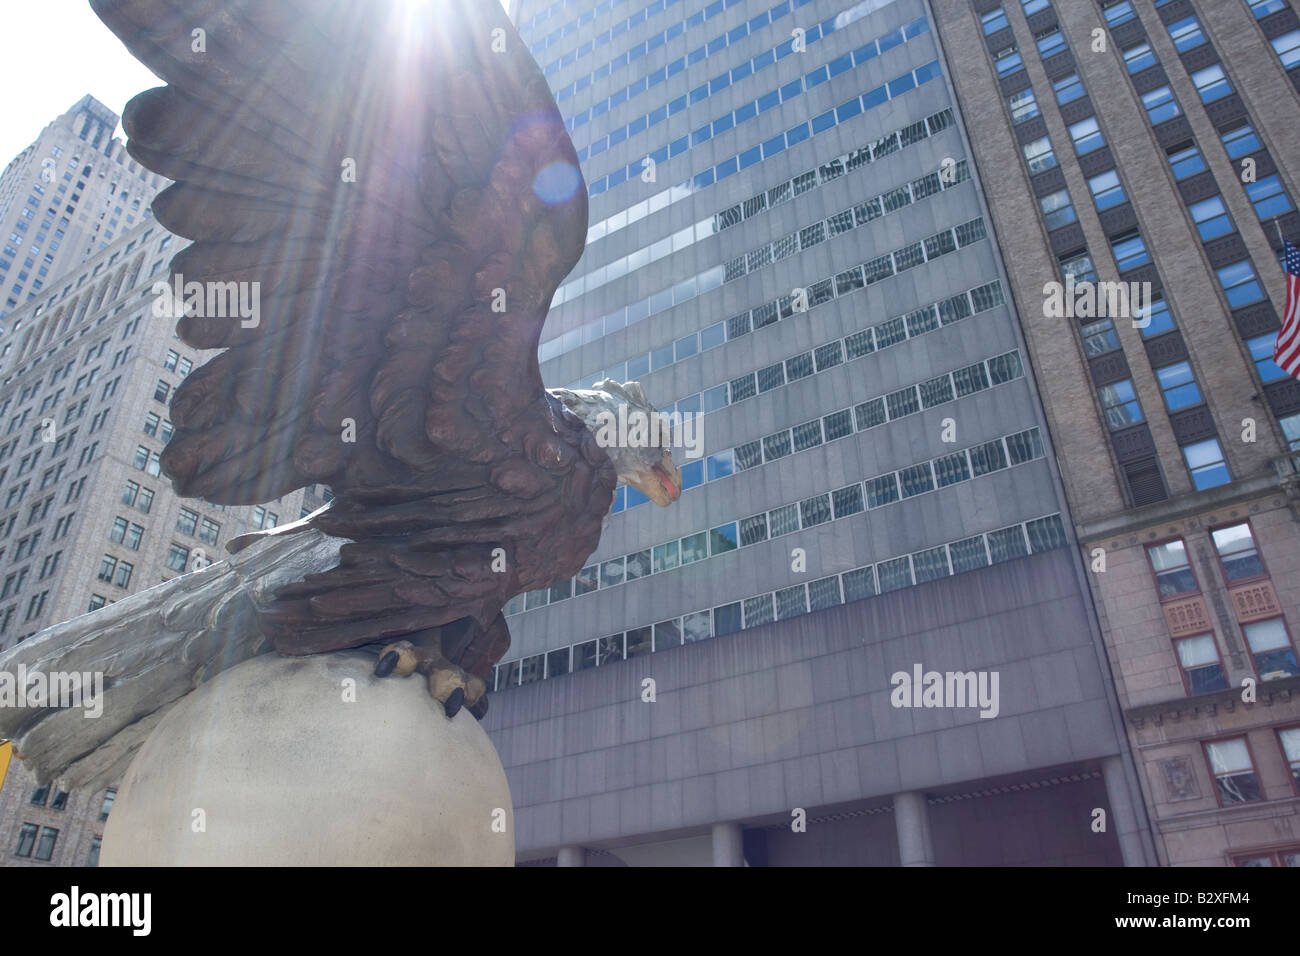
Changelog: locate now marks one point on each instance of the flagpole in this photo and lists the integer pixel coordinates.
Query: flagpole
(1280, 238)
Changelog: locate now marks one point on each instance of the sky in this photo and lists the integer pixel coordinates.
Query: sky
(54, 53)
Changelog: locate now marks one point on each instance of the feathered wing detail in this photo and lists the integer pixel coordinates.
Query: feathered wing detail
(152, 648)
(396, 185)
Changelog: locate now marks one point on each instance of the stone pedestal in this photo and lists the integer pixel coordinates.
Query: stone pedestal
(312, 762)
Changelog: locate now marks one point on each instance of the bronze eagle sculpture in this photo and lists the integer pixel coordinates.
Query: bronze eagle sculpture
(394, 179)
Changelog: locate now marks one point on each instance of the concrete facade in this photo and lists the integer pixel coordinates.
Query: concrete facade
(1131, 489)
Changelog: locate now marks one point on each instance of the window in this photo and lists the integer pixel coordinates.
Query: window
(1234, 773)
(1068, 89)
(1099, 337)
(1262, 8)
(209, 530)
(1174, 576)
(1079, 265)
(1023, 106)
(1139, 57)
(1211, 84)
(161, 392)
(1160, 105)
(188, 521)
(60, 801)
(1129, 250)
(1008, 61)
(1239, 284)
(93, 858)
(178, 557)
(1211, 218)
(1039, 155)
(1238, 556)
(26, 839)
(1287, 47)
(151, 423)
(263, 518)
(1033, 6)
(1050, 42)
(1268, 197)
(994, 20)
(1057, 210)
(1199, 658)
(106, 807)
(45, 848)
(1291, 430)
(1107, 190)
(1086, 135)
(1261, 350)
(1270, 645)
(1241, 141)
(1186, 34)
(1178, 384)
(1205, 462)
(39, 796)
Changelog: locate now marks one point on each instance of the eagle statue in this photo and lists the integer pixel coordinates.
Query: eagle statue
(394, 180)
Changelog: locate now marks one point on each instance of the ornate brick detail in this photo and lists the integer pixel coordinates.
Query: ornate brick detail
(1283, 397)
(1186, 617)
(1256, 319)
(1255, 601)
(1180, 778)
(1108, 368)
(1166, 349)
(1133, 443)
(1192, 424)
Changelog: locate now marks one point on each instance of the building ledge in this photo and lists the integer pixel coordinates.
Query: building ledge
(1205, 705)
(1164, 512)
(1241, 813)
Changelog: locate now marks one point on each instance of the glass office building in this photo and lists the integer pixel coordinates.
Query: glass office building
(788, 239)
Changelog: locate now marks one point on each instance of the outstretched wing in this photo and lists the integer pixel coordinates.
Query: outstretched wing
(392, 185)
(148, 650)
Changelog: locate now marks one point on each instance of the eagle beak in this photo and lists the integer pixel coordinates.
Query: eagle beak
(661, 483)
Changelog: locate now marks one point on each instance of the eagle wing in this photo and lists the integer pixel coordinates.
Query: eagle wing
(391, 183)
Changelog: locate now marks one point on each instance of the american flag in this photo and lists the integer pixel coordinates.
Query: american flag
(1286, 351)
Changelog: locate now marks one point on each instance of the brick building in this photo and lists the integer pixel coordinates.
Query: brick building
(1158, 141)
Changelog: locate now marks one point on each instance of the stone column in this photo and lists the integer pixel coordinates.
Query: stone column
(571, 856)
(728, 845)
(912, 820)
(1123, 817)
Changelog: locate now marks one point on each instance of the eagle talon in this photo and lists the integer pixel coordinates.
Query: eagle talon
(454, 702)
(401, 658)
(384, 666)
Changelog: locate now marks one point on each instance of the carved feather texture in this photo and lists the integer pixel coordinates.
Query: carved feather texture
(373, 166)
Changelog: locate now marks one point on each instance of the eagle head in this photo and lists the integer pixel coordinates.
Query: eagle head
(635, 436)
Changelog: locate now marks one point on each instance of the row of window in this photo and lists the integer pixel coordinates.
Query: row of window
(900, 403)
(1240, 562)
(928, 318)
(783, 192)
(37, 842)
(876, 270)
(608, 325)
(713, 45)
(957, 557)
(776, 144)
(889, 488)
(741, 71)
